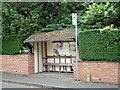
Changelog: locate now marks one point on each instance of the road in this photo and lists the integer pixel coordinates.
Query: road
(14, 85)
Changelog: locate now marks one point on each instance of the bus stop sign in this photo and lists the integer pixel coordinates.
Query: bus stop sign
(74, 18)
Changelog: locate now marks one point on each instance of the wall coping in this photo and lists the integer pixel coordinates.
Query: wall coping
(14, 54)
(99, 61)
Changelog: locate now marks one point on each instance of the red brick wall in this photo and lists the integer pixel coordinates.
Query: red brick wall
(99, 71)
(17, 64)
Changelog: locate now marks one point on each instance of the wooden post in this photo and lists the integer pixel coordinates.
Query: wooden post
(71, 59)
(59, 63)
(46, 51)
(35, 58)
(65, 63)
(54, 58)
(38, 54)
(54, 62)
(59, 59)
(65, 59)
(42, 51)
(46, 67)
(33, 48)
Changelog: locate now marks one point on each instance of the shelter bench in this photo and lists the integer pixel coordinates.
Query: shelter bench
(59, 64)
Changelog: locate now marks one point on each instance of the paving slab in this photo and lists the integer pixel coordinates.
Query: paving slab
(53, 80)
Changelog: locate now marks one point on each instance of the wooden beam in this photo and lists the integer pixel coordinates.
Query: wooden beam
(44, 58)
(57, 64)
(62, 41)
(61, 56)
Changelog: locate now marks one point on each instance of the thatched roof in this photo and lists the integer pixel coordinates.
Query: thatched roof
(59, 35)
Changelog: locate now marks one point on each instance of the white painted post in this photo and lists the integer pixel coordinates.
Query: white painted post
(74, 22)
(40, 58)
(35, 58)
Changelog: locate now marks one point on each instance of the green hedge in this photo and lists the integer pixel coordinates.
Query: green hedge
(12, 45)
(99, 45)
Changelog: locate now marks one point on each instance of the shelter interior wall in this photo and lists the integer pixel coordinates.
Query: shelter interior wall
(64, 51)
(41, 55)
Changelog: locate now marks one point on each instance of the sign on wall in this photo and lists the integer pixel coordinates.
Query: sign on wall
(63, 48)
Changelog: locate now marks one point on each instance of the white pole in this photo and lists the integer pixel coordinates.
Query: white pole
(74, 22)
(76, 52)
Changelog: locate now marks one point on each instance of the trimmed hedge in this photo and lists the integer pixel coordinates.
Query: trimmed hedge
(99, 45)
(12, 45)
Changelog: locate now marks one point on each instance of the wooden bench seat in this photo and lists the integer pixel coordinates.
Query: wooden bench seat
(58, 64)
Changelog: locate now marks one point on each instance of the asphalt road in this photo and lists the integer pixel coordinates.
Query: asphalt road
(14, 85)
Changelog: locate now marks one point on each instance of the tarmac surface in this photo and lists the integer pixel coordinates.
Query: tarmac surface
(52, 80)
(14, 85)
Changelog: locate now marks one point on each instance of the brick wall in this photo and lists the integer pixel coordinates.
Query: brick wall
(108, 72)
(17, 64)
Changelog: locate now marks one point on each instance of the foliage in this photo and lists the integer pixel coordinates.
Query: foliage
(100, 45)
(24, 18)
(99, 15)
(52, 27)
(12, 45)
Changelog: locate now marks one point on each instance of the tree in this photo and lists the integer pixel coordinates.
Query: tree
(24, 18)
(99, 15)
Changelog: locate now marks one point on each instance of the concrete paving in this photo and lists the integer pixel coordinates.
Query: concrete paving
(53, 80)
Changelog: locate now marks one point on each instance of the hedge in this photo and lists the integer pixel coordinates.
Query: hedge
(99, 45)
(12, 45)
